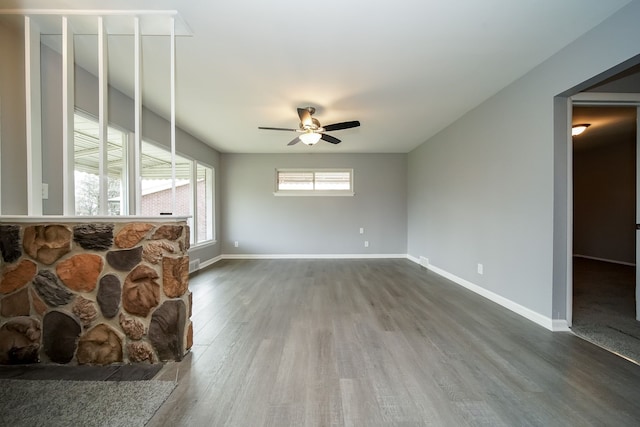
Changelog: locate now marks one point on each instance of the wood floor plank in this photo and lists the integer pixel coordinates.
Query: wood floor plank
(380, 343)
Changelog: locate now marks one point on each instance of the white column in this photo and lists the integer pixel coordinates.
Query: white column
(103, 119)
(137, 112)
(67, 119)
(173, 115)
(33, 116)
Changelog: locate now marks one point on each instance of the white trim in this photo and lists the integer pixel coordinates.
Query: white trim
(569, 217)
(313, 256)
(611, 261)
(204, 244)
(413, 259)
(314, 193)
(525, 312)
(203, 265)
(560, 325)
(85, 12)
(192, 201)
(605, 98)
(88, 218)
(210, 262)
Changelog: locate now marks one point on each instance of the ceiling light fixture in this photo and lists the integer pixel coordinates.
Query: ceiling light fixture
(310, 138)
(578, 129)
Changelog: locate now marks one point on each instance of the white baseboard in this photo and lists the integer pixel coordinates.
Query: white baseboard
(313, 256)
(544, 321)
(206, 264)
(413, 259)
(209, 262)
(560, 325)
(612, 261)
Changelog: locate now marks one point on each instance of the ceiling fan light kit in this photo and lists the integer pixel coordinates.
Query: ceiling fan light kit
(310, 129)
(310, 138)
(578, 129)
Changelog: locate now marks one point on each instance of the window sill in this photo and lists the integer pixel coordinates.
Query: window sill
(202, 245)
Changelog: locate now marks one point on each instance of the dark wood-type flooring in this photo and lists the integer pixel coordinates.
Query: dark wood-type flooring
(380, 343)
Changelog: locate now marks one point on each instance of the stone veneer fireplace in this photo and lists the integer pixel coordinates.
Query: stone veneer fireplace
(94, 290)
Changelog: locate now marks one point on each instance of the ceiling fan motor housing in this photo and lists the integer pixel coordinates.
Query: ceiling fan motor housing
(311, 129)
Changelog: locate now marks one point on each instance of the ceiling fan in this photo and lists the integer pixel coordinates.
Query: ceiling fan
(311, 131)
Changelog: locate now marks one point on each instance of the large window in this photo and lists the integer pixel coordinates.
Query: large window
(314, 182)
(194, 181)
(204, 204)
(156, 182)
(194, 190)
(86, 149)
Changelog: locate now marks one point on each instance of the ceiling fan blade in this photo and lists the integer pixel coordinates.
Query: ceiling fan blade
(268, 128)
(329, 138)
(294, 141)
(343, 125)
(305, 115)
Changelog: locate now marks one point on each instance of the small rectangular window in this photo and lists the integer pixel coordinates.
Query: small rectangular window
(314, 182)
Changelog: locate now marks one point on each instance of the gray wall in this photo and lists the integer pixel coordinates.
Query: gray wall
(604, 197)
(482, 191)
(12, 121)
(266, 224)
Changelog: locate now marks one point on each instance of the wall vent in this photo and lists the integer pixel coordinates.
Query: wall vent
(194, 265)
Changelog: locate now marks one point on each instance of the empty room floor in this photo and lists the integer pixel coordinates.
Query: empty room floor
(380, 343)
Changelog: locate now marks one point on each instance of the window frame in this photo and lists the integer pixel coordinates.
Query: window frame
(131, 191)
(314, 192)
(211, 219)
(125, 181)
(193, 220)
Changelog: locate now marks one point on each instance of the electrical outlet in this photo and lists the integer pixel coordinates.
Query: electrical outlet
(361, 230)
(424, 261)
(45, 190)
(366, 243)
(480, 269)
(235, 243)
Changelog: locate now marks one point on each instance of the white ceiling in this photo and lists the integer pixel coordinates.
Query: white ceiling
(406, 69)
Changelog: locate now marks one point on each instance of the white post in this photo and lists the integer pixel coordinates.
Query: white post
(173, 115)
(68, 110)
(33, 116)
(103, 120)
(137, 113)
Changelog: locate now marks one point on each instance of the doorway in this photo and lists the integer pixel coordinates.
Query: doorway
(604, 218)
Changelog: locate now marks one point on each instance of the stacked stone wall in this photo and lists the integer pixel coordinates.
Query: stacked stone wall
(94, 293)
